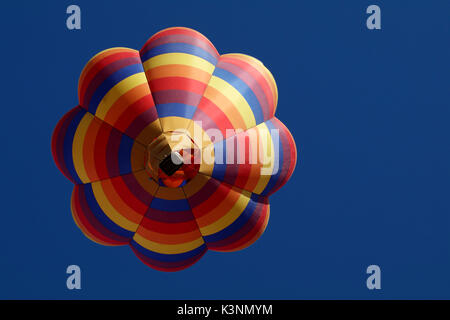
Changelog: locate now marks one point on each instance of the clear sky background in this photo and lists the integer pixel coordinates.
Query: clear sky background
(369, 111)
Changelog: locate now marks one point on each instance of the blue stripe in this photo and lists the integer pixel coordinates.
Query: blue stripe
(68, 143)
(170, 205)
(220, 168)
(175, 110)
(101, 216)
(126, 145)
(278, 152)
(244, 90)
(168, 257)
(110, 82)
(181, 48)
(237, 224)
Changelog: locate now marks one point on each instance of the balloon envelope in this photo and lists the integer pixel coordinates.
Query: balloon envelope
(174, 149)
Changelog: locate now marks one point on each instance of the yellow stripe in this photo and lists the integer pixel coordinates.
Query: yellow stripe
(168, 248)
(79, 225)
(230, 216)
(77, 147)
(266, 157)
(137, 157)
(179, 58)
(265, 72)
(150, 132)
(110, 49)
(196, 133)
(120, 205)
(195, 185)
(170, 193)
(173, 123)
(275, 88)
(207, 160)
(149, 185)
(117, 91)
(109, 210)
(104, 53)
(179, 139)
(236, 99)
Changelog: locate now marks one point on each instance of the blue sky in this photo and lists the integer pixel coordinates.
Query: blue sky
(368, 109)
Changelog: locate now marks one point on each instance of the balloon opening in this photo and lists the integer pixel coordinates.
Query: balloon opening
(173, 174)
(172, 159)
(170, 164)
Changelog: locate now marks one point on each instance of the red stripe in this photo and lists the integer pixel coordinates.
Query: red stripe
(132, 112)
(244, 237)
(167, 266)
(238, 174)
(58, 138)
(101, 142)
(215, 118)
(183, 31)
(177, 83)
(214, 201)
(112, 153)
(289, 154)
(169, 228)
(97, 68)
(259, 78)
(128, 197)
(92, 226)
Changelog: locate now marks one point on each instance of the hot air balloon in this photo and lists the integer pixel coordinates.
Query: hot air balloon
(174, 149)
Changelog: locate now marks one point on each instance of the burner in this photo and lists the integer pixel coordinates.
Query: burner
(170, 164)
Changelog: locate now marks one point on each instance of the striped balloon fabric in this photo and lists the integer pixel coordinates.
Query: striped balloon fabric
(176, 96)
